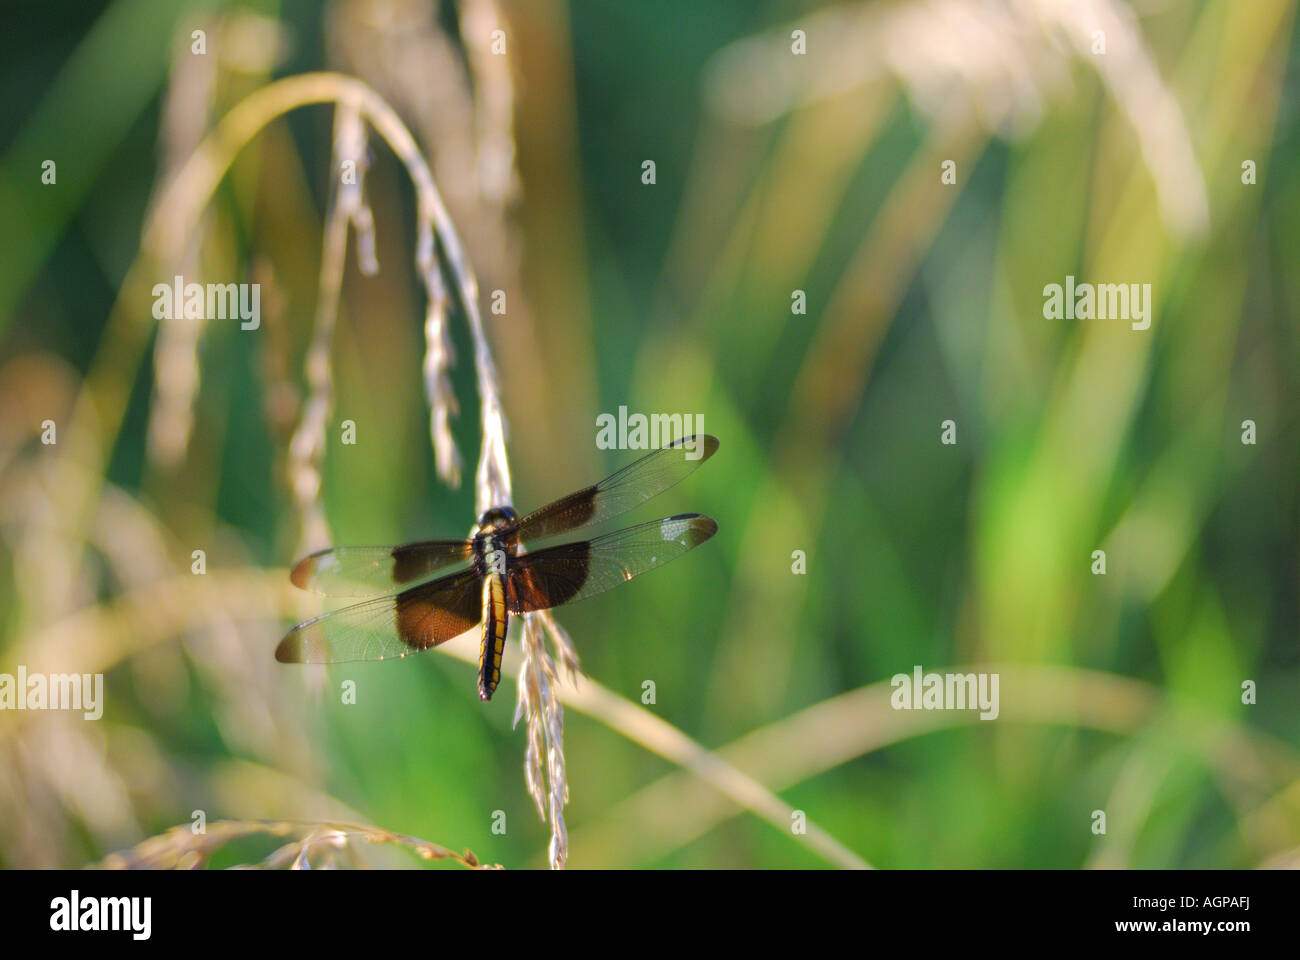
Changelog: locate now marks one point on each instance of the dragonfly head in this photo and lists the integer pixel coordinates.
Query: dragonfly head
(495, 520)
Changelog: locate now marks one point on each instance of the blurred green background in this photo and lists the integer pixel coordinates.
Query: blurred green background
(775, 172)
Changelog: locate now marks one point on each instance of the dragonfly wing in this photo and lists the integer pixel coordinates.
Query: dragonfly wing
(386, 627)
(366, 571)
(630, 487)
(575, 571)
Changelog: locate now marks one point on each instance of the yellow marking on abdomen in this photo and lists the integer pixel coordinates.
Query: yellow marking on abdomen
(495, 622)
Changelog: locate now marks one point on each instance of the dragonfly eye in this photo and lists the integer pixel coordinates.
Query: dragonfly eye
(497, 517)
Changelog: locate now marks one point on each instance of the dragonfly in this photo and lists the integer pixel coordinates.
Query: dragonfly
(411, 609)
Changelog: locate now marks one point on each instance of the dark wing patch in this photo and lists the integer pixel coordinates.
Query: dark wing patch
(619, 492)
(575, 571)
(413, 620)
(366, 571)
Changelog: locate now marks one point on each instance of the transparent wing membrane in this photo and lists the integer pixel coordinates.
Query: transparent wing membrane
(622, 491)
(575, 571)
(366, 571)
(387, 627)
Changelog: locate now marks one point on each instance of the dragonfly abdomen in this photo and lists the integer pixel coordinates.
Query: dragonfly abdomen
(495, 621)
